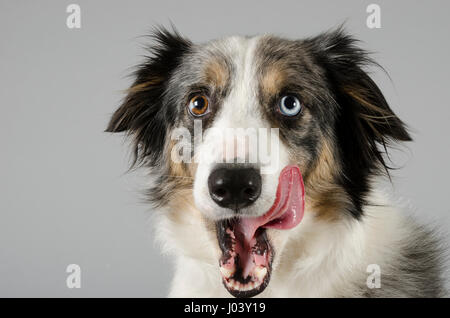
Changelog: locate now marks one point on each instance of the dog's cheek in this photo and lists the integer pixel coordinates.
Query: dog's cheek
(212, 238)
(278, 240)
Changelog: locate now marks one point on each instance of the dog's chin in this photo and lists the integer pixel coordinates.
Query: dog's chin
(245, 264)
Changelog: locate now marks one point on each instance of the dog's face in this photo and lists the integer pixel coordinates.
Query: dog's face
(330, 119)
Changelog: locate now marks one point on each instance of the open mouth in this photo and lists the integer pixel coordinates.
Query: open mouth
(246, 262)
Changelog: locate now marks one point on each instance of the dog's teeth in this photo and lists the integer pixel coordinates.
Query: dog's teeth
(226, 272)
(260, 273)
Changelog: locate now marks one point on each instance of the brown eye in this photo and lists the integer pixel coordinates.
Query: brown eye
(198, 106)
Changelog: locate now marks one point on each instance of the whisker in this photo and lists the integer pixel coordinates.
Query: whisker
(172, 176)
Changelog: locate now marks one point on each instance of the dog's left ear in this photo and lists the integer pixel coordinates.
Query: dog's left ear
(142, 113)
(365, 116)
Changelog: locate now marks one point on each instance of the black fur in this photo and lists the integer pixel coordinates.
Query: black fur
(346, 108)
(143, 113)
(363, 132)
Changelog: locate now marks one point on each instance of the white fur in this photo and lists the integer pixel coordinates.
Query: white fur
(316, 259)
(240, 110)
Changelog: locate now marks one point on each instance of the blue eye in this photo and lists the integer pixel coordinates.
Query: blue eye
(290, 105)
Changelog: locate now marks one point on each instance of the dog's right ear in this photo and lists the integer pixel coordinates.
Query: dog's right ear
(141, 114)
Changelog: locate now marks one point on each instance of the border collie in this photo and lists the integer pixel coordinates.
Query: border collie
(312, 224)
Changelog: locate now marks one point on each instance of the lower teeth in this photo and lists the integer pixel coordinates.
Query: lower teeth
(227, 273)
(260, 272)
(243, 287)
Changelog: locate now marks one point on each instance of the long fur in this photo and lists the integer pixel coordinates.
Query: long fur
(340, 143)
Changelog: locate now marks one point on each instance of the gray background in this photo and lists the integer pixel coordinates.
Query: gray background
(65, 196)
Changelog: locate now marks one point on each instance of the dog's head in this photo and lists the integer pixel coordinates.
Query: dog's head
(332, 126)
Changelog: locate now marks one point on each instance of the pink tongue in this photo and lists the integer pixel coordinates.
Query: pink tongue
(287, 210)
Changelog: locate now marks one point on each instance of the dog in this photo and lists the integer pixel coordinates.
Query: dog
(311, 225)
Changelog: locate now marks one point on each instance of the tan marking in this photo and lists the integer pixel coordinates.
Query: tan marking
(180, 173)
(216, 73)
(326, 168)
(324, 197)
(183, 201)
(144, 86)
(273, 79)
(360, 95)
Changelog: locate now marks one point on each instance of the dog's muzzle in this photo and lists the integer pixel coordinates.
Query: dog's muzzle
(247, 253)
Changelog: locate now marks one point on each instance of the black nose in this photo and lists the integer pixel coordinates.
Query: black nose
(234, 188)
